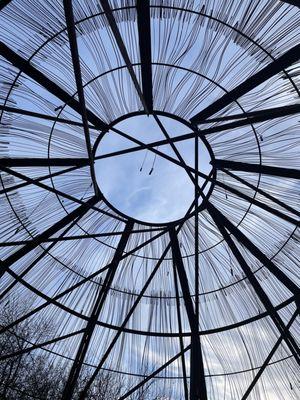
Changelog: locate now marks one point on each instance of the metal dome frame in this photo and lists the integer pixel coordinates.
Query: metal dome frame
(194, 380)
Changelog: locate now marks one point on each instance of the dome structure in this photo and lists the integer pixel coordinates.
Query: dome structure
(149, 169)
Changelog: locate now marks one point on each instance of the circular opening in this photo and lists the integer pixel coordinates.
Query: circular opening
(144, 185)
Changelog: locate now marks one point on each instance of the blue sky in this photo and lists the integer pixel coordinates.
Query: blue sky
(162, 196)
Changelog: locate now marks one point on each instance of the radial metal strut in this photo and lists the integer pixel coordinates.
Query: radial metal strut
(270, 355)
(267, 262)
(197, 377)
(114, 27)
(93, 318)
(78, 78)
(26, 67)
(144, 30)
(282, 62)
(36, 241)
(258, 168)
(263, 297)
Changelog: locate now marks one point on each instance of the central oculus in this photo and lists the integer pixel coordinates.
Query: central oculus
(145, 186)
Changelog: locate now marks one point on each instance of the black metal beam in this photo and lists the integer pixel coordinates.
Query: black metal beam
(71, 288)
(124, 323)
(263, 297)
(196, 226)
(40, 179)
(36, 241)
(245, 119)
(257, 168)
(269, 357)
(97, 307)
(79, 237)
(254, 117)
(28, 113)
(292, 2)
(115, 30)
(129, 314)
(147, 146)
(4, 3)
(39, 345)
(56, 191)
(276, 66)
(197, 377)
(206, 177)
(257, 253)
(262, 192)
(218, 183)
(40, 257)
(237, 124)
(155, 151)
(24, 65)
(266, 114)
(185, 383)
(179, 156)
(28, 69)
(151, 146)
(153, 374)
(43, 162)
(144, 30)
(78, 78)
(252, 200)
